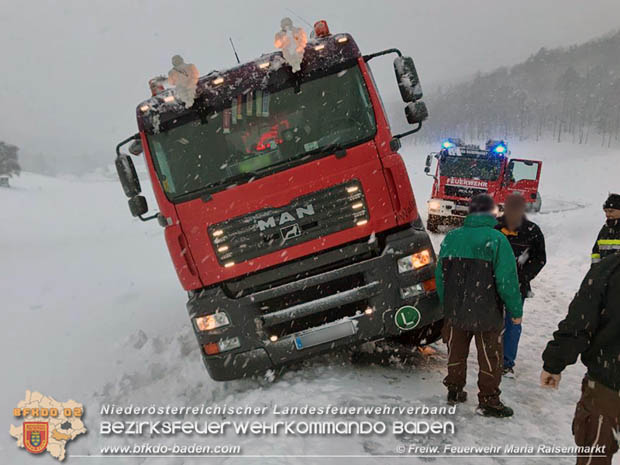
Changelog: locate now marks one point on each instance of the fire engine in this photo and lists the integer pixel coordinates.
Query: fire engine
(464, 170)
(288, 212)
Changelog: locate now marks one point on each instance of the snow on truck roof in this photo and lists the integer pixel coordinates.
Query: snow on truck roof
(269, 72)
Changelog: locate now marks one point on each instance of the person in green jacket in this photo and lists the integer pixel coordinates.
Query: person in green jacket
(477, 281)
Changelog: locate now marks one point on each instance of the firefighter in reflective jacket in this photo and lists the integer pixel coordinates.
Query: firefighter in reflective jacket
(608, 240)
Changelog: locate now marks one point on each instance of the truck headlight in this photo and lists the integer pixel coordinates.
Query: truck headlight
(209, 322)
(434, 205)
(415, 261)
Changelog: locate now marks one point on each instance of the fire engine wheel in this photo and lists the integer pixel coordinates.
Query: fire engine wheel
(536, 205)
(433, 222)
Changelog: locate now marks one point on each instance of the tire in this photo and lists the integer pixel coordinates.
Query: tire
(536, 205)
(433, 222)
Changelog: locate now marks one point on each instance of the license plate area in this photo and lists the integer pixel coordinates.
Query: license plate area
(329, 333)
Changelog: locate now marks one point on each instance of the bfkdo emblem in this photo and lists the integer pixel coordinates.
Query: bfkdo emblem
(35, 436)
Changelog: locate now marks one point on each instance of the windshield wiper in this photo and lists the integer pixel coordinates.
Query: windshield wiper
(337, 149)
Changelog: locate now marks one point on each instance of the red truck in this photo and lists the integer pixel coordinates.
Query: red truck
(288, 213)
(464, 170)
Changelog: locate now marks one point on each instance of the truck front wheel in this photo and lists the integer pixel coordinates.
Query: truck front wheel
(536, 205)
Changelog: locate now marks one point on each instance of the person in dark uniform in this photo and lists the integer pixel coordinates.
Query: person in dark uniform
(608, 240)
(592, 329)
(528, 244)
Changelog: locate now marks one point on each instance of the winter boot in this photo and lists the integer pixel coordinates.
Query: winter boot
(456, 397)
(497, 410)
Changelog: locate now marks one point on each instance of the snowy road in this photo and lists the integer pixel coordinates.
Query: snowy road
(92, 311)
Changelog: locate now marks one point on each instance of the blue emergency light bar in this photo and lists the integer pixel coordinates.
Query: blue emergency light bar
(498, 147)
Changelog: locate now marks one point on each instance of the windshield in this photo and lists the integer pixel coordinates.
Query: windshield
(260, 132)
(486, 169)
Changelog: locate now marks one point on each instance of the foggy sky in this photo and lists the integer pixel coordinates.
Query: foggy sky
(74, 71)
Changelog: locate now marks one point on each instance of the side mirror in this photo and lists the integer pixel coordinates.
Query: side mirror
(135, 148)
(416, 112)
(127, 175)
(138, 205)
(427, 164)
(407, 78)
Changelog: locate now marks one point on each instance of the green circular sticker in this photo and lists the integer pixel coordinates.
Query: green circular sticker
(407, 317)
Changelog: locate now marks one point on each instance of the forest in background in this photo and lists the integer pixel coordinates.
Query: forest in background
(567, 94)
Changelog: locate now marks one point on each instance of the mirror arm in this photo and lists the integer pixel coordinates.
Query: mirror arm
(381, 53)
(148, 218)
(408, 133)
(123, 142)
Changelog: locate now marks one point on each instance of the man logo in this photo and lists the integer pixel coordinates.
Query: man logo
(290, 232)
(35, 436)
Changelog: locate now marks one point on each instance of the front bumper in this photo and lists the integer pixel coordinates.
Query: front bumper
(447, 209)
(369, 297)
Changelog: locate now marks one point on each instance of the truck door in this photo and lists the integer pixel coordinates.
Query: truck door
(523, 176)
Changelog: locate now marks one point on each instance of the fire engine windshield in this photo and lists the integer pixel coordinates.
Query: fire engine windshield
(259, 133)
(486, 169)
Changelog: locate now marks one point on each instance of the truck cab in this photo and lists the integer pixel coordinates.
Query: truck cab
(464, 170)
(288, 212)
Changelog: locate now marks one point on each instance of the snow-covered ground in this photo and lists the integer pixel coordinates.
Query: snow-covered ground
(92, 311)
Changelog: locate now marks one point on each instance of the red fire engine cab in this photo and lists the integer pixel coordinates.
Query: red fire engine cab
(464, 170)
(288, 212)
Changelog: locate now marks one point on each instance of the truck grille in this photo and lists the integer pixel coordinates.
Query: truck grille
(307, 217)
(312, 293)
(460, 191)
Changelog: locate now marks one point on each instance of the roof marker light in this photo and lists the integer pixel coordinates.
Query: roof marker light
(319, 47)
(218, 80)
(342, 39)
(321, 29)
(169, 98)
(264, 65)
(144, 108)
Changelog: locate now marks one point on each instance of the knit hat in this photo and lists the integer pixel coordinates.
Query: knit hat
(482, 203)
(613, 202)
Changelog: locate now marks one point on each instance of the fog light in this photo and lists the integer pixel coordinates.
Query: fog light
(368, 311)
(415, 261)
(224, 345)
(209, 322)
(273, 338)
(411, 291)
